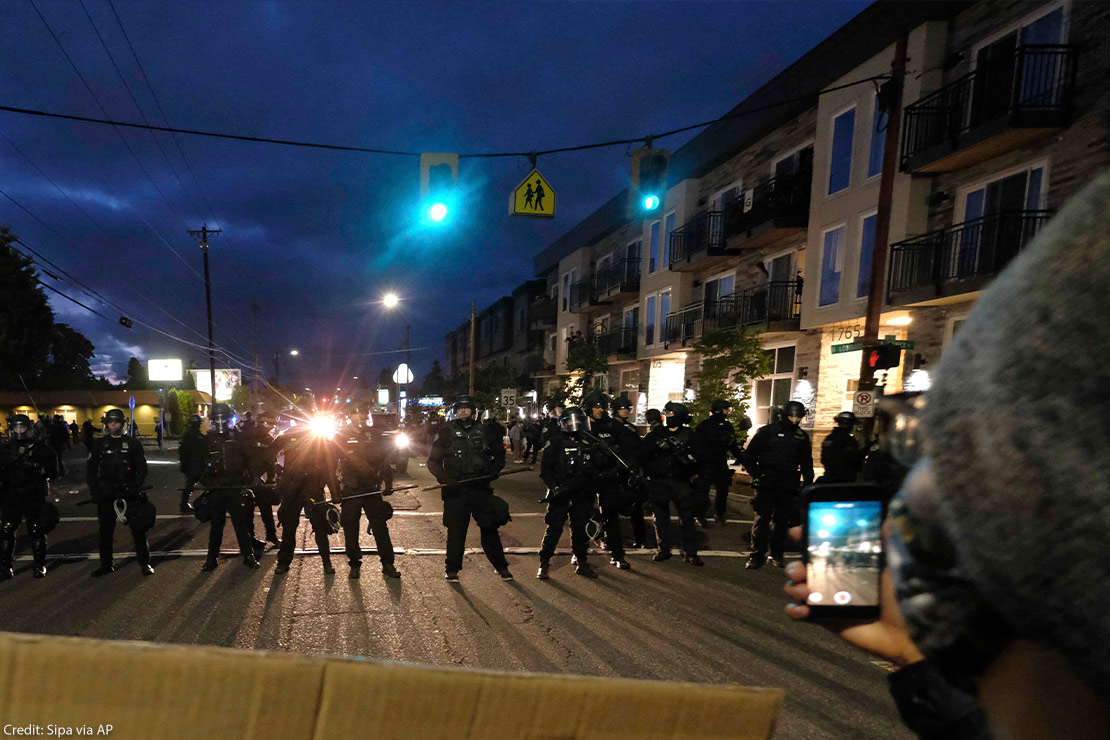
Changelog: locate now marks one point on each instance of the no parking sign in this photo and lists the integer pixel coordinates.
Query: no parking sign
(863, 404)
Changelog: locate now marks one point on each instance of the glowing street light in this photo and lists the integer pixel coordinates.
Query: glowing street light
(437, 212)
(294, 352)
(390, 300)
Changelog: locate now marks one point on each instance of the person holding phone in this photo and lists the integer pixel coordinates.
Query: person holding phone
(993, 601)
(778, 457)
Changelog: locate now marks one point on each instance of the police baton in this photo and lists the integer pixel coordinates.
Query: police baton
(93, 501)
(475, 480)
(380, 491)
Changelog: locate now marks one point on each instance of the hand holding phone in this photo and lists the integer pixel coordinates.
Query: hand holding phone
(843, 550)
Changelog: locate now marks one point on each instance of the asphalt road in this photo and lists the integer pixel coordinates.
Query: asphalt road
(670, 621)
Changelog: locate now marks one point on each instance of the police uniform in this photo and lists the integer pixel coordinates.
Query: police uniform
(464, 449)
(628, 444)
(841, 456)
(310, 464)
(256, 442)
(363, 467)
(25, 466)
(613, 491)
(570, 467)
(193, 455)
(777, 455)
(668, 463)
(116, 470)
(225, 479)
(714, 441)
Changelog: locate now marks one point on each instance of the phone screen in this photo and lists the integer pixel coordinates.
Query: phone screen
(844, 553)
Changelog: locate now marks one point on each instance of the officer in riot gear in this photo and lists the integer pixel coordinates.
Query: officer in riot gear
(841, 455)
(777, 456)
(629, 442)
(570, 466)
(193, 454)
(714, 440)
(364, 468)
(25, 466)
(225, 479)
(616, 453)
(668, 462)
(551, 423)
(310, 465)
(461, 452)
(116, 472)
(256, 441)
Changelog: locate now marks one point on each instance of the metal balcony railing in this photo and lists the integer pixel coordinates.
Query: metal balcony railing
(621, 341)
(780, 300)
(972, 249)
(703, 233)
(579, 296)
(621, 276)
(545, 311)
(1034, 87)
(777, 198)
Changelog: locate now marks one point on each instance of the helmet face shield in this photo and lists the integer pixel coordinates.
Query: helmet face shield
(20, 427)
(572, 421)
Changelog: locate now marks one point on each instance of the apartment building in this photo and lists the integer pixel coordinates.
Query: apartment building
(1005, 117)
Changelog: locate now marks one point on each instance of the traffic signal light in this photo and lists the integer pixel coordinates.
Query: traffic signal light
(884, 357)
(438, 176)
(648, 181)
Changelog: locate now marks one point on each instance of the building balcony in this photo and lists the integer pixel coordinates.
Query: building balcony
(544, 312)
(698, 243)
(772, 307)
(621, 278)
(960, 259)
(768, 212)
(1000, 107)
(578, 297)
(617, 343)
(535, 341)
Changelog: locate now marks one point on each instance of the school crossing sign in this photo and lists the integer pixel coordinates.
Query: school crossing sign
(533, 197)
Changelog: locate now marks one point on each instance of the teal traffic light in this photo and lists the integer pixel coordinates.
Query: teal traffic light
(438, 184)
(648, 182)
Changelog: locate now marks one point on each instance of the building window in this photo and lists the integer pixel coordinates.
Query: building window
(722, 197)
(840, 163)
(668, 227)
(878, 140)
(653, 256)
(773, 390)
(831, 257)
(866, 251)
(649, 322)
(566, 290)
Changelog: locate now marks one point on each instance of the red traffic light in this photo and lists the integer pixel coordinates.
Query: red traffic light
(884, 357)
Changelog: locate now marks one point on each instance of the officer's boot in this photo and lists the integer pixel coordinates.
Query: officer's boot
(545, 566)
(328, 569)
(38, 554)
(186, 507)
(7, 549)
(584, 569)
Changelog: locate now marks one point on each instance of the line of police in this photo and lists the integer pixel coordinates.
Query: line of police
(589, 458)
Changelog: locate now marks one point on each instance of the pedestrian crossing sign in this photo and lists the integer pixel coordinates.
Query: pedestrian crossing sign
(533, 197)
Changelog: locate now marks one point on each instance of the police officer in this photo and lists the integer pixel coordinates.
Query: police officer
(570, 466)
(310, 464)
(630, 441)
(777, 455)
(256, 441)
(25, 466)
(654, 418)
(193, 454)
(116, 471)
(551, 423)
(841, 454)
(461, 451)
(225, 479)
(714, 440)
(668, 463)
(364, 467)
(611, 480)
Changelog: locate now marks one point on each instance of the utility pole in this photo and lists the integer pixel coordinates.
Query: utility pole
(277, 367)
(882, 224)
(254, 333)
(203, 234)
(473, 310)
(408, 365)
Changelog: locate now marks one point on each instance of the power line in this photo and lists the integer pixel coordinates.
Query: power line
(479, 155)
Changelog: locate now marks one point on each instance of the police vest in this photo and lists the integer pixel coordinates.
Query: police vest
(673, 457)
(786, 447)
(468, 450)
(226, 461)
(19, 470)
(577, 461)
(115, 460)
(360, 465)
(606, 430)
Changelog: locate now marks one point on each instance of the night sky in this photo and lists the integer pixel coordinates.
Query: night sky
(316, 237)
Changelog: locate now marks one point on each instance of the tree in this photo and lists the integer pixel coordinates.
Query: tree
(136, 375)
(434, 382)
(731, 359)
(185, 407)
(70, 353)
(26, 320)
(585, 358)
(488, 382)
(241, 399)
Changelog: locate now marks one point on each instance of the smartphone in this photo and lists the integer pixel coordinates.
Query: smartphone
(843, 549)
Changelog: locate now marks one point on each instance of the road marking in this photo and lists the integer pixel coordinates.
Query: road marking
(521, 515)
(416, 551)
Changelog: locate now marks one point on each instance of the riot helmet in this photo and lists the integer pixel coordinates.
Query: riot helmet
(194, 420)
(676, 413)
(461, 403)
(20, 426)
(572, 420)
(621, 403)
(720, 406)
(114, 416)
(221, 417)
(792, 410)
(846, 420)
(594, 404)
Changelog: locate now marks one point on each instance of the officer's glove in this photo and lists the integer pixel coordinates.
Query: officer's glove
(387, 491)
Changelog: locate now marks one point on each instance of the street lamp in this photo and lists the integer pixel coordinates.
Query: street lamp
(390, 300)
(277, 362)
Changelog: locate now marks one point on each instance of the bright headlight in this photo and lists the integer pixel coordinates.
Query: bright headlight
(402, 440)
(322, 426)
